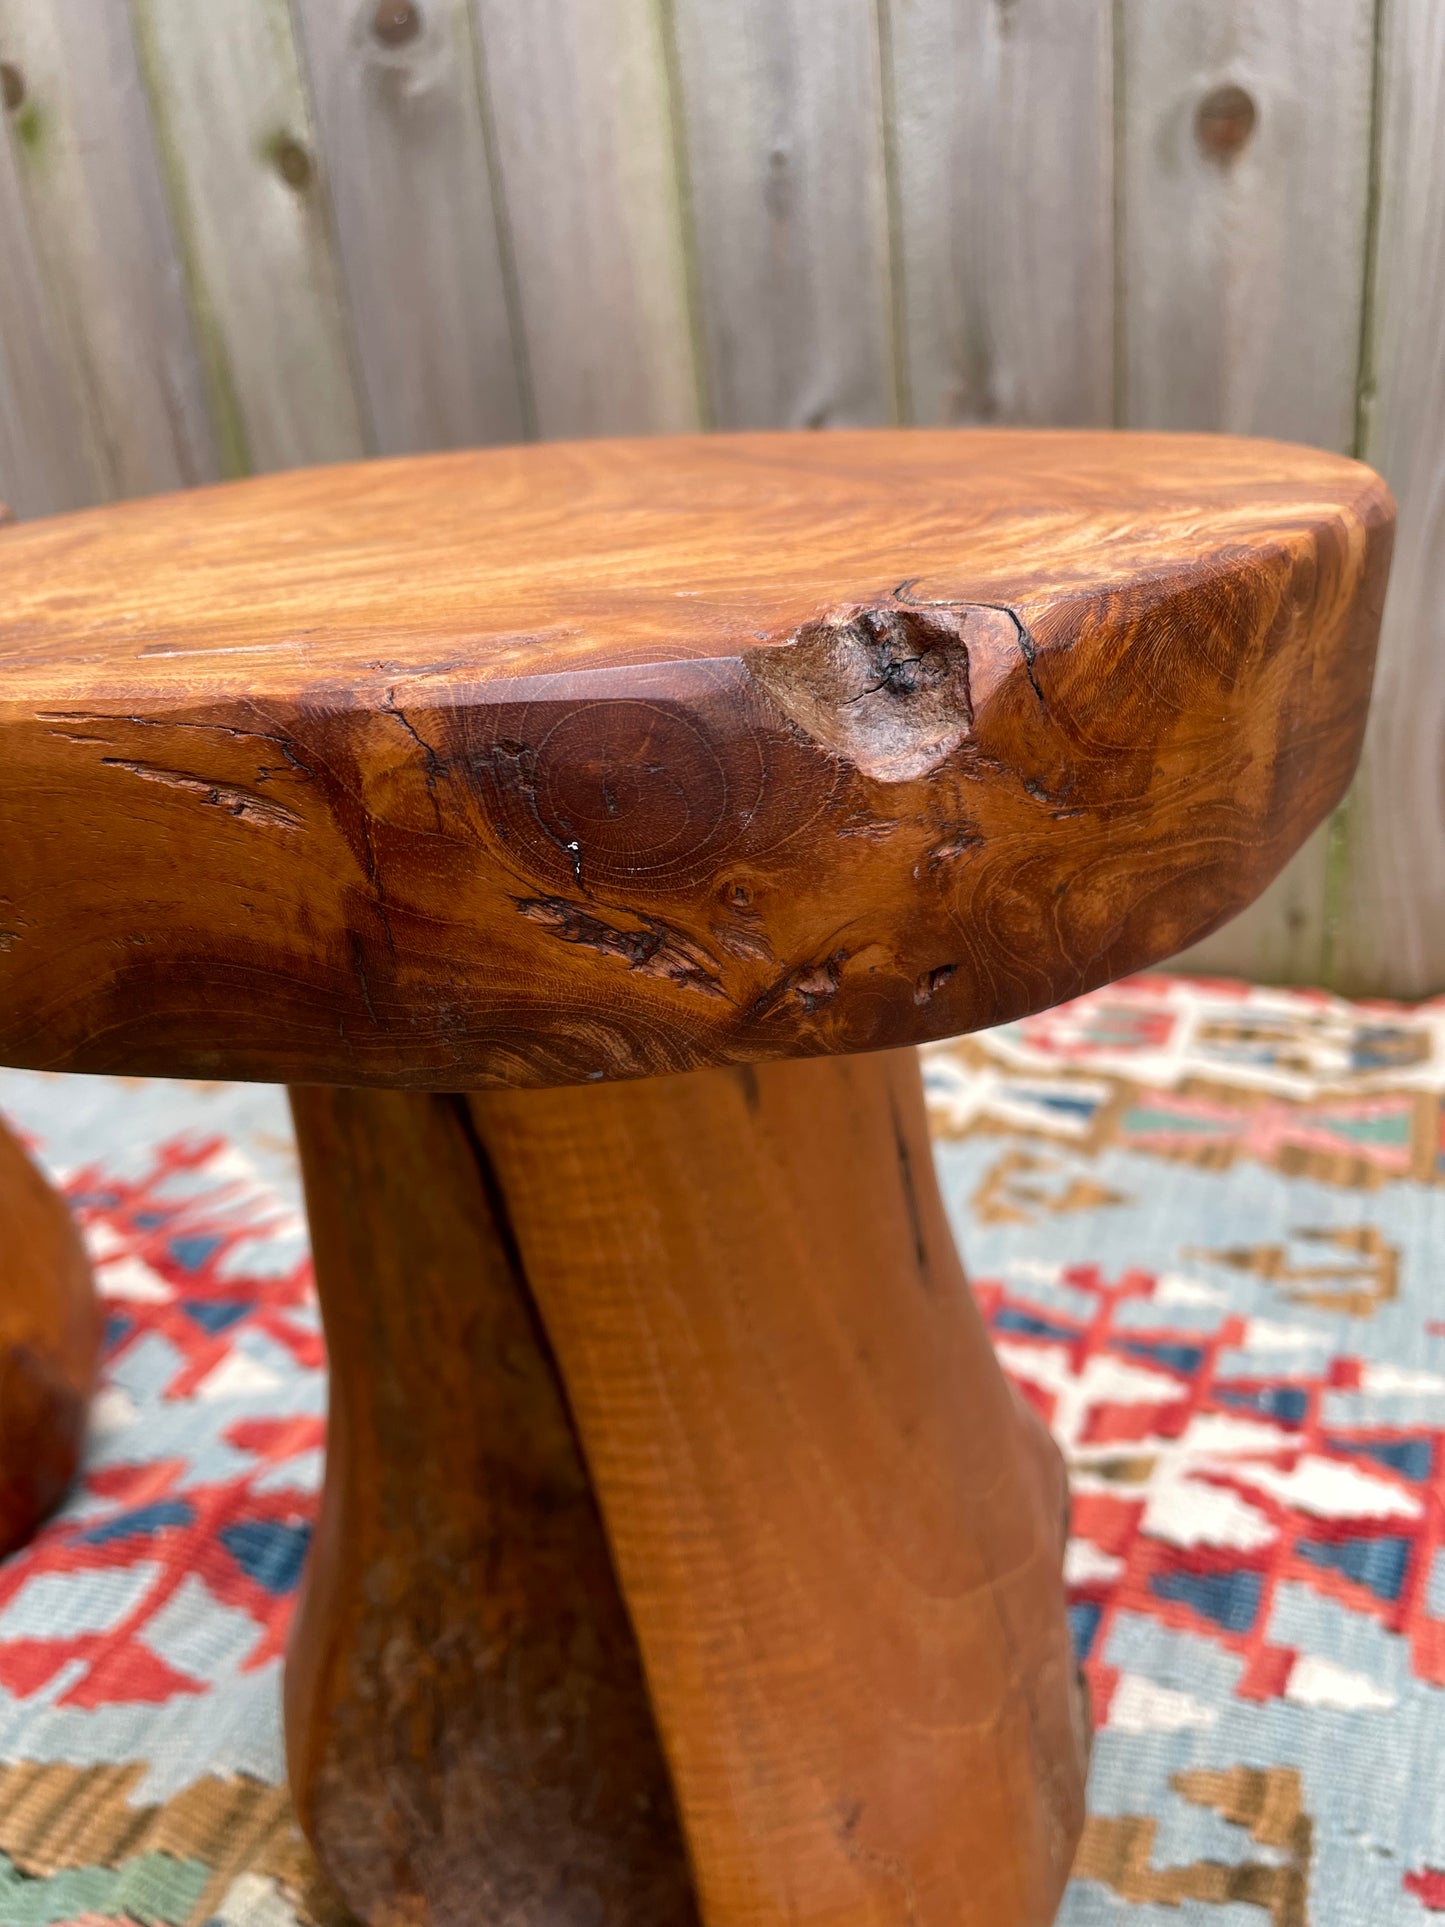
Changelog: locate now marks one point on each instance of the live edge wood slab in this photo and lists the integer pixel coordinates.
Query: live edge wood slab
(558, 763)
(683, 1554)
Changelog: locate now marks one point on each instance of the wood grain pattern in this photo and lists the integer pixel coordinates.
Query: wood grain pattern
(468, 1734)
(250, 208)
(838, 1534)
(1003, 149)
(399, 115)
(785, 166)
(1242, 256)
(1241, 271)
(577, 92)
(545, 765)
(1390, 898)
(50, 1327)
(103, 234)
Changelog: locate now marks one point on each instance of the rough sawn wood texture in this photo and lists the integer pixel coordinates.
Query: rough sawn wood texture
(833, 1536)
(838, 1532)
(587, 761)
(469, 1737)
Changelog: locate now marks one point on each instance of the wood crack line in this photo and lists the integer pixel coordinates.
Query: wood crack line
(243, 804)
(653, 950)
(283, 743)
(1028, 648)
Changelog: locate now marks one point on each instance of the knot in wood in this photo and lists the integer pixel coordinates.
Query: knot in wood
(1225, 121)
(395, 22)
(293, 163)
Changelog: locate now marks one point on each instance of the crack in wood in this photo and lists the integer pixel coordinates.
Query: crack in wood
(653, 949)
(237, 802)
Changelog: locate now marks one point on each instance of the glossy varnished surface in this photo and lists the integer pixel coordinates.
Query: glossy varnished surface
(49, 1345)
(587, 761)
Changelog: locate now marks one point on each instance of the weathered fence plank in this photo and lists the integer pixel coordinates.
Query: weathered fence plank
(48, 456)
(1003, 150)
(394, 87)
(1243, 196)
(784, 119)
(226, 91)
(103, 237)
(1391, 887)
(577, 92)
(1245, 183)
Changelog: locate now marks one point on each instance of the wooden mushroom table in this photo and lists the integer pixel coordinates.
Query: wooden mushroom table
(585, 833)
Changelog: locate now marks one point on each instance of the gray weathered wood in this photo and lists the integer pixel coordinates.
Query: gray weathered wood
(1241, 284)
(578, 96)
(397, 105)
(48, 457)
(105, 246)
(1003, 150)
(1391, 884)
(226, 91)
(1242, 276)
(784, 119)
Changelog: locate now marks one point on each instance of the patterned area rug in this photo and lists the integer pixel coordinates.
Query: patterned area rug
(1206, 1227)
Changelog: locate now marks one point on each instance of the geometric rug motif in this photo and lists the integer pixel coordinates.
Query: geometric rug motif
(1206, 1225)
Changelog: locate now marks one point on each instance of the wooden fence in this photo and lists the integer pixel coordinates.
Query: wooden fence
(240, 234)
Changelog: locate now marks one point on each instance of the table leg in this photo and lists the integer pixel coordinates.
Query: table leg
(50, 1327)
(837, 1533)
(468, 1736)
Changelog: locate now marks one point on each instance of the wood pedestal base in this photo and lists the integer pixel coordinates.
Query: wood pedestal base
(50, 1327)
(684, 1551)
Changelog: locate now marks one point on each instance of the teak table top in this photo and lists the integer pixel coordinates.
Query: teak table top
(546, 764)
